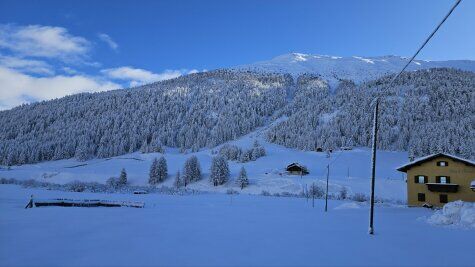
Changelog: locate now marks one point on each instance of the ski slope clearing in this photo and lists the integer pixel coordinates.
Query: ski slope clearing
(220, 230)
(350, 169)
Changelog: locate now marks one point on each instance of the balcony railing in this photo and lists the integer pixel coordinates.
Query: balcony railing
(445, 188)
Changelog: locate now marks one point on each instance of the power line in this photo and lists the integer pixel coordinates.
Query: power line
(375, 122)
(426, 41)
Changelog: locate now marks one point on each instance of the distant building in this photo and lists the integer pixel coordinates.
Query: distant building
(439, 178)
(296, 169)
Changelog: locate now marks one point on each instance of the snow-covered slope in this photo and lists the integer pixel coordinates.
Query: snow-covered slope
(354, 68)
(350, 169)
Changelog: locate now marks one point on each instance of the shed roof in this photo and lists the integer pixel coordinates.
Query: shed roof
(421, 160)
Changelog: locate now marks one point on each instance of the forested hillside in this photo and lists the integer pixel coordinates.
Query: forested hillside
(194, 111)
(426, 111)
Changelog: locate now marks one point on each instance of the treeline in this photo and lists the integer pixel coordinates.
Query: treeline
(235, 153)
(219, 172)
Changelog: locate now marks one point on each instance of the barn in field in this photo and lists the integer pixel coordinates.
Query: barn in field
(296, 169)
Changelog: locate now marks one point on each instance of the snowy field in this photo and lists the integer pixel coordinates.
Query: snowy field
(348, 168)
(217, 230)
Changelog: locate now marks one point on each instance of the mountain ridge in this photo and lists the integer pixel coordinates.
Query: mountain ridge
(355, 68)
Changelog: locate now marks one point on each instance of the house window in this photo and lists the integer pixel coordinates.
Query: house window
(421, 197)
(443, 198)
(442, 163)
(420, 179)
(442, 180)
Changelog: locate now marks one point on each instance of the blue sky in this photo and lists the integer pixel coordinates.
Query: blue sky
(101, 45)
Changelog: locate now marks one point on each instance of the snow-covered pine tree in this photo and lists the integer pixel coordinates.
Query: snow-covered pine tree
(155, 146)
(196, 168)
(191, 170)
(153, 174)
(343, 193)
(219, 172)
(123, 177)
(178, 181)
(242, 179)
(162, 169)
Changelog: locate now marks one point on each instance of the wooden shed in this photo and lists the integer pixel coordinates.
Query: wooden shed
(296, 169)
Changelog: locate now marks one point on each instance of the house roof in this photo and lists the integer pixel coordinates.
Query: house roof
(421, 160)
(295, 164)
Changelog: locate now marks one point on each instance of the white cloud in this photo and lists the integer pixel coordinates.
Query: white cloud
(108, 40)
(43, 41)
(138, 77)
(26, 65)
(18, 88)
(69, 70)
(24, 78)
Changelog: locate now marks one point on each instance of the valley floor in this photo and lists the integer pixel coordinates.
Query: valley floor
(350, 169)
(221, 230)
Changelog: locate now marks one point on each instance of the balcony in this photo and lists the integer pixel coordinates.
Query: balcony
(444, 188)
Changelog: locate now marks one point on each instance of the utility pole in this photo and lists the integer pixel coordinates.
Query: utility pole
(373, 165)
(306, 192)
(326, 194)
(375, 123)
(313, 195)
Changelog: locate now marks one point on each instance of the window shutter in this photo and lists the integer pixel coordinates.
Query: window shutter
(426, 179)
(437, 179)
(448, 179)
(416, 179)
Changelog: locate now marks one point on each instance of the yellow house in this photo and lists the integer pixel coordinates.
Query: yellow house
(439, 178)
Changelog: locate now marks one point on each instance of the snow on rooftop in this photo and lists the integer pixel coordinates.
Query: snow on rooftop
(434, 155)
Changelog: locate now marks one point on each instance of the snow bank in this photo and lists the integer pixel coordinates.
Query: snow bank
(350, 205)
(458, 213)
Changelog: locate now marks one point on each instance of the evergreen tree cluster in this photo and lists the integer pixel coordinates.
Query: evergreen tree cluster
(119, 182)
(235, 153)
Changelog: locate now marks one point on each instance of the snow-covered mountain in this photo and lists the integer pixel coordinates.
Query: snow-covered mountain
(357, 69)
(206, 109)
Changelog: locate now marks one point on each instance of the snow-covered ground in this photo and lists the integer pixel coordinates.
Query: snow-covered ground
(348, 168)
(221, 230)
